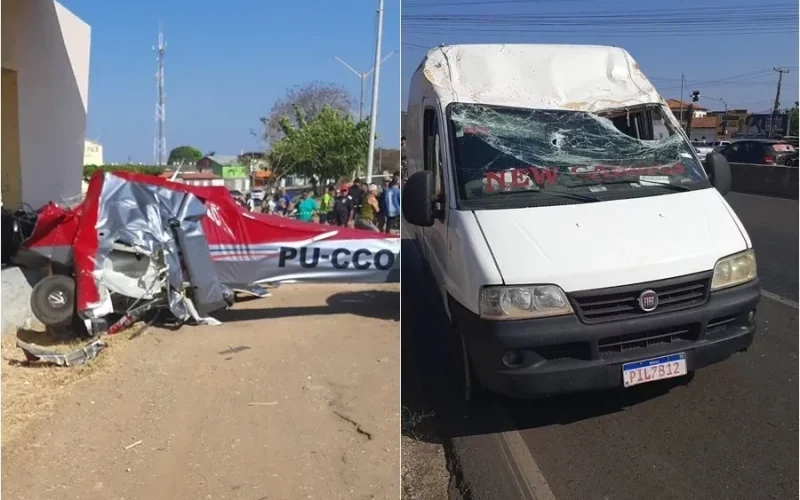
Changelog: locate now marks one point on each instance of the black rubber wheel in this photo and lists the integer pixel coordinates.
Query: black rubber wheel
(53, 300)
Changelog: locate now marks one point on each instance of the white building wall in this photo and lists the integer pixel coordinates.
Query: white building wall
(49, 50)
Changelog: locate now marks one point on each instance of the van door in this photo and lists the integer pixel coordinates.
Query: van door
(435, 237)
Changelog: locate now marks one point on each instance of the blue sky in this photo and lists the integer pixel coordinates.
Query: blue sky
(226, 64)
(737, 51)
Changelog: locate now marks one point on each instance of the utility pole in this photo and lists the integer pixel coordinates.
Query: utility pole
(373, 115)
(780, 71)
(160, 141)
(680, 120)
(363, 76)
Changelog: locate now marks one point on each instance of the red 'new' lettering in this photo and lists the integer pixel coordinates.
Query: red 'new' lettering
(544, 176)
(492, 177)
(519, 178)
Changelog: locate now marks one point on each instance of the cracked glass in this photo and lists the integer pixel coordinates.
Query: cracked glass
(614, 154)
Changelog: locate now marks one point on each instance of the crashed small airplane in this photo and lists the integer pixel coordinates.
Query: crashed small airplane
(139, 243)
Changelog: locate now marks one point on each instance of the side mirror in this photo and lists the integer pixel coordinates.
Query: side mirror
(719, 172)
(417, 200)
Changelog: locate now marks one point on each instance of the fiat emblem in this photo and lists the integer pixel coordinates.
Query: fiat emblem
(648, 301)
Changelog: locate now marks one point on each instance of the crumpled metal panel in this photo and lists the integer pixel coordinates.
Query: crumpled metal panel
(208, 294)
(143, 216)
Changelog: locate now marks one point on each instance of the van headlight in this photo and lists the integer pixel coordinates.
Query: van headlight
(519, 302)
(734, 270)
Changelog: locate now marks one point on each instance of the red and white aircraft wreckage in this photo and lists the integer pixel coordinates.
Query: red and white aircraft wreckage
(142, 245)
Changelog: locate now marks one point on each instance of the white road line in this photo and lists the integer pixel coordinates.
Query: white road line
(778, 298)
(530, 472)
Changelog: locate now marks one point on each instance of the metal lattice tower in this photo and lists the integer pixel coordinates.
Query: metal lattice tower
(160, 141)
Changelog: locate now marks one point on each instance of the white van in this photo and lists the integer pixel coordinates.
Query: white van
(574, 235)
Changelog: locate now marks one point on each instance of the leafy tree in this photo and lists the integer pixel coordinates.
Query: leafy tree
(187, 154)
(326, 147)
(312, 98)
(89, 170)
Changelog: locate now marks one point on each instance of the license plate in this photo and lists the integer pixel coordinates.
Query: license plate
(650, 370)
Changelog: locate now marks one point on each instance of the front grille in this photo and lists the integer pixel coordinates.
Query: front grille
(619, 303)
(643, 340)
(574, 350)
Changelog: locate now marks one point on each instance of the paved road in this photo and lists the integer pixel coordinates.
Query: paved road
(731, 433)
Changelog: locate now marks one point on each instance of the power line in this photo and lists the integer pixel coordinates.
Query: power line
(698, 13)
(483, 2)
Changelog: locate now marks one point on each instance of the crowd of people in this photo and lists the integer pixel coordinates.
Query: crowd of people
(372, 207)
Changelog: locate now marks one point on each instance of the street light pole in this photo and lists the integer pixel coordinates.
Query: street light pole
(373, 115)
(363, 77)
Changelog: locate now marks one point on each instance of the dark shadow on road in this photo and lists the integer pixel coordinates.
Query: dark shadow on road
(429, 367)
(377, 304)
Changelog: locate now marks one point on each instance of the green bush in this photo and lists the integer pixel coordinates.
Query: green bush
(89, 170)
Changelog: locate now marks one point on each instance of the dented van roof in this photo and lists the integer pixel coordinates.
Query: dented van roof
(577, 77)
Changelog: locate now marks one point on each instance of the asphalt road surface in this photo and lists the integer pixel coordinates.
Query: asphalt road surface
(729, 433)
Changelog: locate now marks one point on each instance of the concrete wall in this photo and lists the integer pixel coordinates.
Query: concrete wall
(766, 180)
(710, 134)
(48, 48)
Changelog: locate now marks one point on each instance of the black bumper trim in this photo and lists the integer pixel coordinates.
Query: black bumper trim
(579, 363)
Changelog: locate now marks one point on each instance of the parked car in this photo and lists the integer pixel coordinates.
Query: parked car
(562, 264)
(759, 152)
(718, 145)
(702, 148)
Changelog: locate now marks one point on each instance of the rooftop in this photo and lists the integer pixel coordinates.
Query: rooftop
(225, 159)
(574, 77)
(676, 104)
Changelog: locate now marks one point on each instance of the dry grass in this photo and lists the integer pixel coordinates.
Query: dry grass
(30, 392)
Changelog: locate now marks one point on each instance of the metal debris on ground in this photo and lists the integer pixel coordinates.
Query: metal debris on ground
(38, 354)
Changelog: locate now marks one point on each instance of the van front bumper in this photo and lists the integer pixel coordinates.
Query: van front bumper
(563, 355)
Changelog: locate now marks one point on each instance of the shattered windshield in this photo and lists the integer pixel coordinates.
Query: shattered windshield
(502, 151)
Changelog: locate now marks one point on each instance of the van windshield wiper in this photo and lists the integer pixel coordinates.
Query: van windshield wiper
(554, 192)
(672, 187)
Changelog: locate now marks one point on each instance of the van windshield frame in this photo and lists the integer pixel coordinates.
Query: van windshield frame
(508, 157)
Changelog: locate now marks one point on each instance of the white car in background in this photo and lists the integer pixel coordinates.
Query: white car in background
(717, 145)
(702, 148)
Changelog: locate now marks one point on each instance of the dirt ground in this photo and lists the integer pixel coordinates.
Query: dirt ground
(295, 396)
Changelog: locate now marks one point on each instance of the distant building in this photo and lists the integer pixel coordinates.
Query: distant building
(740, 123)
(675, 106)
(704, 128)
(92, 153)
(235, 175)
(196, 178)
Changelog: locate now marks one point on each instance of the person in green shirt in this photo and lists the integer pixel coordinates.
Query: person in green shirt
(326, 207)
(307, 207)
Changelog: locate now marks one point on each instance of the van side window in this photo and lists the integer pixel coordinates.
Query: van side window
(432, 145)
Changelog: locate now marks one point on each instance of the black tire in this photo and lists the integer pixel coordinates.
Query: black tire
(53, 300)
